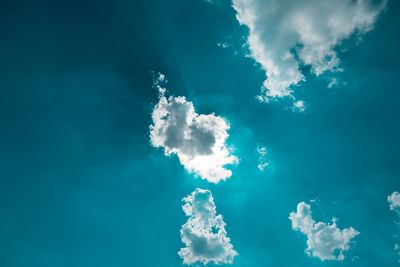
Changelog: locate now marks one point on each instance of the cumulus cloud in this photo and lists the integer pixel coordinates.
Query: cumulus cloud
(204, 233)
(394, 201)
(285, 34)
(199, 140)
(324, 240)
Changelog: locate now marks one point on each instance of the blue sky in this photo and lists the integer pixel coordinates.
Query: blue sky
(82, 185)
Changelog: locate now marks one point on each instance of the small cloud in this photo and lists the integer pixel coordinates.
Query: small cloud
(332, 83)
(160, 81)
(299, 106)
(394, 201)
(397, 249)
(161, 77)
(199, 140)
(204, 233)
(262, 158)
(223, 45)
(324, 240)
(394, 205)
(335, 82)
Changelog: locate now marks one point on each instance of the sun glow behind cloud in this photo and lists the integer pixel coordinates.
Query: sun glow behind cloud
(199, 140)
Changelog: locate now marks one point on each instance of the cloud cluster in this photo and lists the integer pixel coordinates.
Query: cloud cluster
(204, 233)
(197, 139)
(285, 34)
(394, 201)
(324, 241)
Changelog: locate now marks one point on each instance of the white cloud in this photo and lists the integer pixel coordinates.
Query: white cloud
(299, 106)
(204, 233)
(197, 139)
(324, 240)
(394, 201)
(262, 158)
(286, 34)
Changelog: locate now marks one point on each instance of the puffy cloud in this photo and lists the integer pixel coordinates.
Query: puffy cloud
(262, 158)
(285, 34)
(197, 139)
(324, 241)
(204, 233)
(394, 201)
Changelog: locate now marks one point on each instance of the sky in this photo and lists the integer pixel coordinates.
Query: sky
(189, 132)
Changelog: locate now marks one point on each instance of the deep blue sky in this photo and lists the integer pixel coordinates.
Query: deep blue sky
(80, 184)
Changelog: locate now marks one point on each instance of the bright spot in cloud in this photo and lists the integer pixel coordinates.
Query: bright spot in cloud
(204, 233)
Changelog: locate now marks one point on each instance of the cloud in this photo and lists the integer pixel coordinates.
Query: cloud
(397, 249)
(394, 205)
(332, 83)
(299, 106)
(285, 34)
(224, 45)
(262, 158)
(204, 233)
(394, 201)
(324, 241)
(197, 139)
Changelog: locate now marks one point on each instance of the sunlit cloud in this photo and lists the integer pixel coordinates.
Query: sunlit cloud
(284, 35)
(199, 140)
(324, 240)
(204, 233)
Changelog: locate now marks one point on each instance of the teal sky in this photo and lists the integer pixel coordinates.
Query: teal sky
(81, 185)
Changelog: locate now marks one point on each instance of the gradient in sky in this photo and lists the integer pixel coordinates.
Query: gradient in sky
(82, 185)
